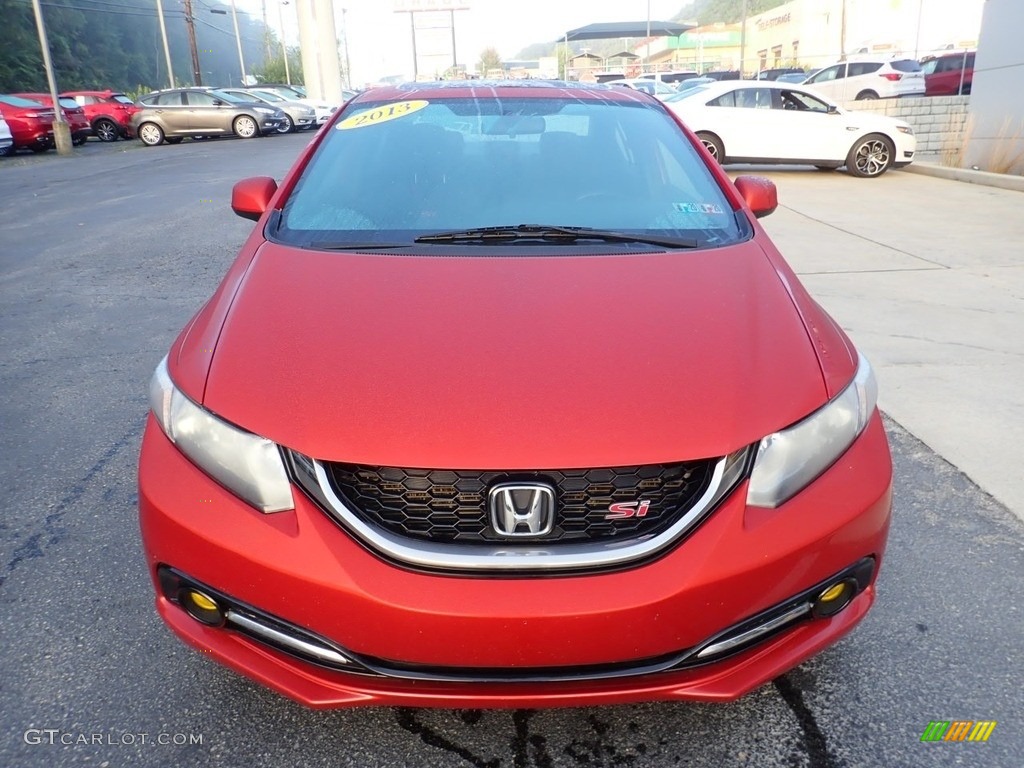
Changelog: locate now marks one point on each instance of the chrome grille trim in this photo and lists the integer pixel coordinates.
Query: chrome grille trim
(518, 557)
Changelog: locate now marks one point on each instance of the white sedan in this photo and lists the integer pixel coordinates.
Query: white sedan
(768, 122)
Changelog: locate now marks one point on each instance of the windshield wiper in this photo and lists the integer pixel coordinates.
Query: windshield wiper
(550, 234)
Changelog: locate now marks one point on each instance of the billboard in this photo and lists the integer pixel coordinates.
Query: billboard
(411, 6)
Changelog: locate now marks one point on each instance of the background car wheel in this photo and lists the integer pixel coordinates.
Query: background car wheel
(106, 130)
(78, 142)
(288, 127)
(870, 156)
(8, 151)
(866, 96)
(245, 127)
(713, 144)
(38, 148)
(151, 134)
(174, 140)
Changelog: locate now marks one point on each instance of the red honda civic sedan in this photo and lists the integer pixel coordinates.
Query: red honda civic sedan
(509, 401)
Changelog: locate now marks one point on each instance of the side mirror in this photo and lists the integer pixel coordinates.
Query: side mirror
(833, 109)
(759, 193)
(251, 197)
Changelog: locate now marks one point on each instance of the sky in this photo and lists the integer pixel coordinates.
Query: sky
(380, 40)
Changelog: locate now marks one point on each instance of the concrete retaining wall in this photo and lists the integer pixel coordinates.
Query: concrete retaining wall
(938, 121)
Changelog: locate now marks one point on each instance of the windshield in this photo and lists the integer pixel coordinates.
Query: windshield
(18, 101)
(229, 97)
(390, 172)
(122, 98)
(268, 95)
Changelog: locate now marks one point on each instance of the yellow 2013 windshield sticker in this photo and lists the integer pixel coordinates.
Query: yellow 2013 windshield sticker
(382, 114)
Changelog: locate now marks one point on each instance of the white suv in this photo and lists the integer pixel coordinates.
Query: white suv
(860, 79)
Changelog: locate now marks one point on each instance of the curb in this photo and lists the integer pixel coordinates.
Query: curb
(999, 180)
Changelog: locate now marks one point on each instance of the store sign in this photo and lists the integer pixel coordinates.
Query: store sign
(774, 21)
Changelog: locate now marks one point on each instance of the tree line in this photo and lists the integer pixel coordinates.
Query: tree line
(116, 44)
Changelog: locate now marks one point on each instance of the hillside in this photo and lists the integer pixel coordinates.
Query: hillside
(701, 11)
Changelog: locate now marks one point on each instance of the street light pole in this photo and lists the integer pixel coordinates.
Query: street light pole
(284, 46)
(61, 131)
(238, 41)
(348, 67)
(163, 34)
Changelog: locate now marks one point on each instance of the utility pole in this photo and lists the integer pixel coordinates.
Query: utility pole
(163, 34)
(415, 65)
(743, 38)
(284, 45)
(190, 27)
(61, 130)
(238, 40)
(348, 66)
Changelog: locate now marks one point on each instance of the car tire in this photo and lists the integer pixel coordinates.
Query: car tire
(8, 151)
(106, 129)
(151, 134)
(866, 96)
(870, 156)
(39, 149)
(174, 140)
(288, 127)
(245, 127)
(713, 144)
(78, 142)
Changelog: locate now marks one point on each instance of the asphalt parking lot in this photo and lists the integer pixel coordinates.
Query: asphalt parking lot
(105, 256)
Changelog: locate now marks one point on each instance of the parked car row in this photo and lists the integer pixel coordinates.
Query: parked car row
(161, 116)
(173, 114)
(29, 116)
(858, 78)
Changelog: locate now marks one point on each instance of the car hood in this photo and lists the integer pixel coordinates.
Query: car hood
(511, 362)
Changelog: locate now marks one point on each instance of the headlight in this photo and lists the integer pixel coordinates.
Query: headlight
(905, 129)
(787, 461)
(264, 110)
(247, 465)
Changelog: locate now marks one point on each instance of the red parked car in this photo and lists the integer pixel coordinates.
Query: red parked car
(109, 112)
(74, 115)
(31, 123)
(948, 73)
(509, 401)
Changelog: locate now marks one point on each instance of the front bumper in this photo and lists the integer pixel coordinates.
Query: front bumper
(271, 124)
(301, 567)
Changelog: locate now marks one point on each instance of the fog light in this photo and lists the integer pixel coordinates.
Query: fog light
(202, 607)
(834, 598)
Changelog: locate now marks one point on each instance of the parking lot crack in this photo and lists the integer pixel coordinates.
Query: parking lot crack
(408, 721)
(880, 244)
(35, 546)
(813, 738)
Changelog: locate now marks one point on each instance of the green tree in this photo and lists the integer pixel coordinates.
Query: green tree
(490, 59)
(273, 71)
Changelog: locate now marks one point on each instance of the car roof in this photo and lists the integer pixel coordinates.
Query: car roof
(92, 93)
(469, 89)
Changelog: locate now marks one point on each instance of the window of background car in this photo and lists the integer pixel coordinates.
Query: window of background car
(905, 65)
(835, 72)
(122, 98)
(469, 163)
(864, 67)
(228, 97)
(18, 101)
(201, 99)
(802, 102)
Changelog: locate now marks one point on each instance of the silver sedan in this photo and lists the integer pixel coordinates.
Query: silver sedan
(299, 115)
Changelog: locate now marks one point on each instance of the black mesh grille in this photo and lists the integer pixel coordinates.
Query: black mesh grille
(451, 505)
